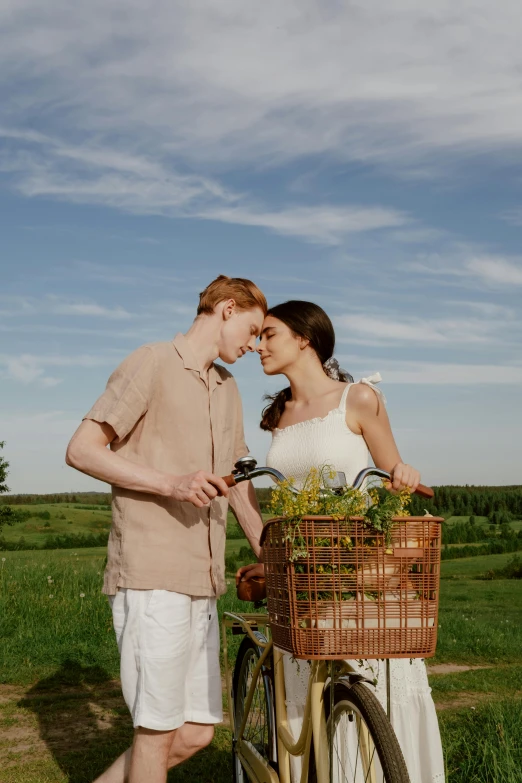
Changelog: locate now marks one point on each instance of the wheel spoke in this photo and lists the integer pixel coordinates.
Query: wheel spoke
(370, 764)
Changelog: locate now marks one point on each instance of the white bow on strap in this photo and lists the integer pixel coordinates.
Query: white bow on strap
(371, 381)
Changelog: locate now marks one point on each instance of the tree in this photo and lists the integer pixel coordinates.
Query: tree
(7, 515)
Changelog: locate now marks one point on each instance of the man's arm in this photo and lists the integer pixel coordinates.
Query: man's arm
(246, 509)
(88, 453)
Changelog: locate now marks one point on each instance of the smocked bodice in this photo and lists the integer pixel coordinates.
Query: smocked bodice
(318, 442)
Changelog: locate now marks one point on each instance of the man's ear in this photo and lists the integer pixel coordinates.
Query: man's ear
(229, 308)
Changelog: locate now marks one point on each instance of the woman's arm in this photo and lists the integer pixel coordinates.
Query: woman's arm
(366, 414)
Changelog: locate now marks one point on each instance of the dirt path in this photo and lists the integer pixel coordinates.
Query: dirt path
(453, 668)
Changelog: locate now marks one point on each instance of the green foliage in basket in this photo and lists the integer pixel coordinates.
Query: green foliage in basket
(377, 509)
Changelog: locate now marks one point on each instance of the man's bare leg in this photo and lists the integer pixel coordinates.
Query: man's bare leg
(150, 754)
(118, 772)
(184, 743)
(188, 740)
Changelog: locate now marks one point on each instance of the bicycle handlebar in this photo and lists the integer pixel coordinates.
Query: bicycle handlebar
(246, 469)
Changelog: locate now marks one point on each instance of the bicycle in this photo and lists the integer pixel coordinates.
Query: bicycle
(346, 735)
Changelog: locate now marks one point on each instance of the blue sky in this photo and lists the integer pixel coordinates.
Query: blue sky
(366, 157)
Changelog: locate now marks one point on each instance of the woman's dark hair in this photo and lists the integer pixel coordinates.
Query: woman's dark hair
(308, 320)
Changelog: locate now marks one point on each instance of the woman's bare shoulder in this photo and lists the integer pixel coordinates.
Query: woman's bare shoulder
(363, 399)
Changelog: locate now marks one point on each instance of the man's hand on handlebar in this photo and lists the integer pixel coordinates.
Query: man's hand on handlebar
(403, 476)
(245, 573)
(198, 488)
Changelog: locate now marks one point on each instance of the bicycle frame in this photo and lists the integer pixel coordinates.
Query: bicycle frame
(314, 723)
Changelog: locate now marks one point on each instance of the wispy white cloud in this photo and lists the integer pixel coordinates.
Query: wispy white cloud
(486, 309)
(513, 216)
(322, 224)
(361, 82)
(462, 266)
(433, 373)
(29, 369)
(94, 310)
(26, 369)
(379, 329)
(496, 270)
(140, 185)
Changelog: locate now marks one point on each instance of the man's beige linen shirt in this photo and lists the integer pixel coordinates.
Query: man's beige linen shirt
(166, 417)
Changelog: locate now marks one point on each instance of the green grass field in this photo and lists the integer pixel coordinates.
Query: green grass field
(68, 518)
(65, 518)
(62, 717)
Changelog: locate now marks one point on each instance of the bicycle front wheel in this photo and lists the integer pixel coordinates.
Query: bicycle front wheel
(260, 728)
(365, 748)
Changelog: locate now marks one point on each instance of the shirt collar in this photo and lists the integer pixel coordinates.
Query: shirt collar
(182, 346)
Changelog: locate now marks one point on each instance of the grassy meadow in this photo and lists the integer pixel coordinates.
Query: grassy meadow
(62, 717)
(65, 518)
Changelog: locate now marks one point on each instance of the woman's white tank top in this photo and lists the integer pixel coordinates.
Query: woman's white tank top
(325, 440)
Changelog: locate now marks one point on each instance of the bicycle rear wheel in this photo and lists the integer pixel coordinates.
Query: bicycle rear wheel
(260, 727)
(365, 748)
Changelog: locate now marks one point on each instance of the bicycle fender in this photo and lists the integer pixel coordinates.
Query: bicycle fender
(349, 679)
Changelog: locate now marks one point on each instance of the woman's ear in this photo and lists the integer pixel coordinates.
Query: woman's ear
(303, 343)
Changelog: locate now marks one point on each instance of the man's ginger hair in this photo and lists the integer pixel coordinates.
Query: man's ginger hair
(245, 293)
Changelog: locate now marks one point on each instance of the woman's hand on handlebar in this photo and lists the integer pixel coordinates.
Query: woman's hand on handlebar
(403, 476)
(247, 572)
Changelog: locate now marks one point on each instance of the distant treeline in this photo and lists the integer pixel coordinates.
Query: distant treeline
(448, 501)
(88, 498)
(468, 500)
(65, 541)
(494, 547)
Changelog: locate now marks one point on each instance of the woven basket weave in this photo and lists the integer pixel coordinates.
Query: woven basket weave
(351, 597)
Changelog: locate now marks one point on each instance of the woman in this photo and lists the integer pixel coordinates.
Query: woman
(325, 418)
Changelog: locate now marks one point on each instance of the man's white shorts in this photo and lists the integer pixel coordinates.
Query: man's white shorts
(169, 648)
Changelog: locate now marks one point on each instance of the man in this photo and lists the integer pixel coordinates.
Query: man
(174, 424)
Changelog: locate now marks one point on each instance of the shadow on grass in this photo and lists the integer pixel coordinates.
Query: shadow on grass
(85, 724)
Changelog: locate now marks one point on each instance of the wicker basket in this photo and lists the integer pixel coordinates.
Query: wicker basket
(351, 597)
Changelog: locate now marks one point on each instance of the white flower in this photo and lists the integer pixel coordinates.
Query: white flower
(3, 560)
(51, 596)
(82, 595)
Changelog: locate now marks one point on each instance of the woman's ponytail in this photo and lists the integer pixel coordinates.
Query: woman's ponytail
(273, 412)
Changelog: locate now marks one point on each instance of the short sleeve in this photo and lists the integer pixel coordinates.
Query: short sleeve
(127, 395)
(240, 447)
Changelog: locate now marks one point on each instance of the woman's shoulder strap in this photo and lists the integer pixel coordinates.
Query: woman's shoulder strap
(342, 403)
(370, 381)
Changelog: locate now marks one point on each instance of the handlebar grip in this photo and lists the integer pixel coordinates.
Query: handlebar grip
(424, 492)
(230, 481)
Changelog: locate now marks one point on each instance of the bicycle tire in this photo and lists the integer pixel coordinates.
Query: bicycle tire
(249, 653)
(359, 699)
